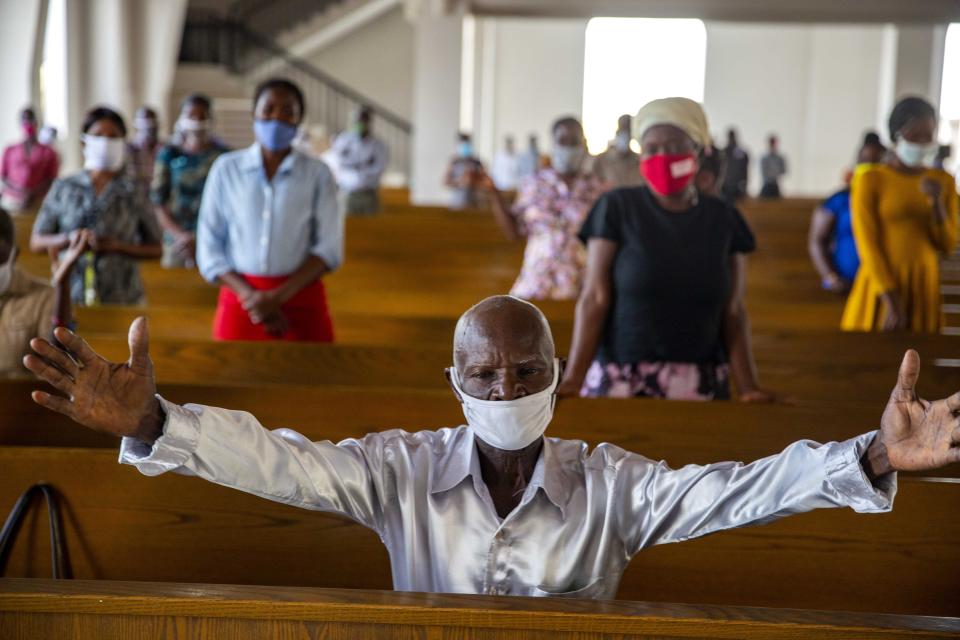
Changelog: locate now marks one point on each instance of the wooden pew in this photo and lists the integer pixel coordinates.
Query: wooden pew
(386, 256)
(355, 324)
(678, 432)
(124, 526)
(824, 367)
(46, 609)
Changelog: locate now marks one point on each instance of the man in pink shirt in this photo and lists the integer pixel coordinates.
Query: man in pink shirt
(28, 168)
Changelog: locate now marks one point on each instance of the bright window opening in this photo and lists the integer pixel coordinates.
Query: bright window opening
(950, 96)
(630, 61)
(53, 68)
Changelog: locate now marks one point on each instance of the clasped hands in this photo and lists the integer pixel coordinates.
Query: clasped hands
(264, 307)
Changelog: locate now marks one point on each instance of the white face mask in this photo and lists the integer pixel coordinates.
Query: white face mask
(622, 142)
(916, 155)
(189, 124)
(6, 272)
(509, 424)
(567, 160)
(101, 153)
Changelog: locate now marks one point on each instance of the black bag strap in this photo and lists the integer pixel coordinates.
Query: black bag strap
(58, 550)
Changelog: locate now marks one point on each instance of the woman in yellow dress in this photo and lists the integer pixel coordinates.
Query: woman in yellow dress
(904, 220)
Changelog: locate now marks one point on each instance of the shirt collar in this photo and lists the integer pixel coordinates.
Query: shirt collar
(253, 160)
(550, 476)
(461, 460)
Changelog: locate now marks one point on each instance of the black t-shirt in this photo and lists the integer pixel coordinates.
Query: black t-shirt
(671, 276)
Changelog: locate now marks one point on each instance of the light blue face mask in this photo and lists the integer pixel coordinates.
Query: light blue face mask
(465, 149)
(916, 155)
(274, 135)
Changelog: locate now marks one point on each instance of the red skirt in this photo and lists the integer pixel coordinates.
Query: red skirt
(307, 314)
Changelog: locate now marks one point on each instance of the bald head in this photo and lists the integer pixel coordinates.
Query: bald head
(503, 349)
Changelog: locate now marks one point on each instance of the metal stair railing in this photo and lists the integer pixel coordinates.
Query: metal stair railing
(330, 103)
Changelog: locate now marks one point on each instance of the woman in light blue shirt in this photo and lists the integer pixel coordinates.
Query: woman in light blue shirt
(270, 229)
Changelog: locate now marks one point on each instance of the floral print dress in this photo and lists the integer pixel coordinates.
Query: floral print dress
(550, 215)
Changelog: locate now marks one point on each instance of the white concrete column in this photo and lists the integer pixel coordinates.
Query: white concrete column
(19, 28)
(911, 63)
(436, 104)
(919, 66)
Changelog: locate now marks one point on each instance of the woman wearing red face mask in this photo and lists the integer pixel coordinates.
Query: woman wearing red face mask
(662, 312)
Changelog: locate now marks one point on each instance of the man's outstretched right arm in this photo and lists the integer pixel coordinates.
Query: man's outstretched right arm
(227, 447)
(233, 449)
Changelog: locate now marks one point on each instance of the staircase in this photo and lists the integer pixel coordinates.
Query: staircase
(252, 55)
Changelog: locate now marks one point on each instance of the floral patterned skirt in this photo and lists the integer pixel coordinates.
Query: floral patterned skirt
(669, 380)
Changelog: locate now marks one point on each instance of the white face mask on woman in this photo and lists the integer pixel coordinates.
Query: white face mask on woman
(509, 424)
(101, 153)
(916, 155)
(6, 272)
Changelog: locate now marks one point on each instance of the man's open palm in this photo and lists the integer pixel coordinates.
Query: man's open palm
(118, 399)
(918, 434)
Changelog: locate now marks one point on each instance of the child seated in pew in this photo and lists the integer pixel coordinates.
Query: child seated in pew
(30, 307)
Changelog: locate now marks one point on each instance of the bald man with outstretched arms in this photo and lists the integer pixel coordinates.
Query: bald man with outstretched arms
(494, 506)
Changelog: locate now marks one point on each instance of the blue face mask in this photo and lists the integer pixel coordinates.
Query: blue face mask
(274, 135)
(465, 149)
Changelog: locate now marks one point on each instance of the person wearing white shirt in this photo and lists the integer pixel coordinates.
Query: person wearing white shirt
(506, 167)
(494, 507)
(528, 161)
(359, 159)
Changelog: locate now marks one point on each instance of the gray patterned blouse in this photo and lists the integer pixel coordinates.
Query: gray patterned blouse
(122, 212)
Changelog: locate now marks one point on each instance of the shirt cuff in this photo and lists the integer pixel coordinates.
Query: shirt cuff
(846, 475)
(181, 432)
(214, 269)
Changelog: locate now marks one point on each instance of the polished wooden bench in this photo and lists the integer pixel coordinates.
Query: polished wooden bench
(678, 432)
(813, 366)
(46, 609)
(398, 323)
(121, 525)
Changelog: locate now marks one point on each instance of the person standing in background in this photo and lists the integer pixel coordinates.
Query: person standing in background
(663, 313)
(943, 153)
(358, 159)
(619, 165)
(528, 161)
(180, 172)
(28, 168)
(830, 243)
(549, 209)
(506, 166)
(905, 221)
(737, 163)
(30, 307)
(710, 174)
(463, 174)
(773, 166)
(142, 150)
(270, 229)
(104, 200)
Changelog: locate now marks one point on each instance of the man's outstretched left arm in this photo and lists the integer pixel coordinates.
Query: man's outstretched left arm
(659, 505)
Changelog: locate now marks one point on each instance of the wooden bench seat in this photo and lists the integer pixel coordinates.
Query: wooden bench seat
(678, 432)
(121, 525)
(45, 609)
(824, 367)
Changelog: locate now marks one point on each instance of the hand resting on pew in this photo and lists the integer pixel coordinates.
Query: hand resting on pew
(540, 516)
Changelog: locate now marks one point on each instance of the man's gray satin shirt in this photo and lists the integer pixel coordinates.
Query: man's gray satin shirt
(582, 517)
